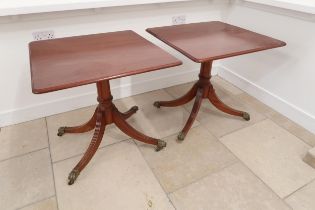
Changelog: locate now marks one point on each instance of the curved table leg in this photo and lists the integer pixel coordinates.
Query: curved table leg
(213, 98)
(181, 136)
(90, 125)
(130, 112)
(133, 133)
(95, 142)
(180, 101)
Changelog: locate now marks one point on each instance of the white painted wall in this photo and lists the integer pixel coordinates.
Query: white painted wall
(307, 6)
(18, 104)
(18, 7)
(282, 78)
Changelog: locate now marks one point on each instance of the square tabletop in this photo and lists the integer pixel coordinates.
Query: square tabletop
(69, 62)
(214, 40)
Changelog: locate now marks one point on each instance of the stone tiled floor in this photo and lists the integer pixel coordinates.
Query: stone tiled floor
(224, 163)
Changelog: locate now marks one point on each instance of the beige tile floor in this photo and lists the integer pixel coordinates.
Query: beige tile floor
(224, 163)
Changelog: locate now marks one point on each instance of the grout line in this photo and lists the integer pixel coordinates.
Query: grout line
(235, 162)
(173, 96)
(216, 171)
(282, 126)
(299, 188)
(167, 195)
(156, 178)
(270, 117)
(205, 176)
(82, 153)
(235, 97)
(238, 160)
(265, 184)
(253, 173)
(21, 155)
(51, 162)
(242, 128)
(209, 174)
(200, 178)
(232, 97)
(35, 202)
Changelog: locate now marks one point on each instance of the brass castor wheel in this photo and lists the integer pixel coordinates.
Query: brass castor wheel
(73, 176)
(181, 136)
(161, 144)
(157, 104)
(246, 116)
(61, 131)
(135, 108)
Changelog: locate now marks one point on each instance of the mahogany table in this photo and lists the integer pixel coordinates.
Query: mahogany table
(69, 62)
(203, 43)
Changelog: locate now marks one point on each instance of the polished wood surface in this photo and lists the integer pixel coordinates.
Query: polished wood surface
(204, 43)
(69, 62)
(214, 40)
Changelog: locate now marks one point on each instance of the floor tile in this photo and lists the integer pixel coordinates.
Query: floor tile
(161, 122)
(309, 158)
(273, 154)
(303, 199)
(220, 82)
(255, 104)
(154, 122)
(278, 118)
(220, 123)
(294, 128)
(180, 164)
(180, 90)
(142, 99)
(48, 204)
(216, 121)
(26, 179)
(73, 144)
(234, 188)
(116, 178)
(23, 138)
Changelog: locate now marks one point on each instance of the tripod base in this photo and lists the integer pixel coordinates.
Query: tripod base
(202, 89)
(106, 113)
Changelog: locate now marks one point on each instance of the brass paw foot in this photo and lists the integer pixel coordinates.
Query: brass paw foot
(73, 176)
(246, 116)
(61, 131)
(135, 108)
(161, 144)
(181, 136)
(157, 104)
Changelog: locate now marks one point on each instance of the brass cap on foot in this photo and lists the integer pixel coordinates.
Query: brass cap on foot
(73, 176)
(246, 116)
(135, 108)
(160, 145)
(61, 131)
(157, 104)
(181, 136)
